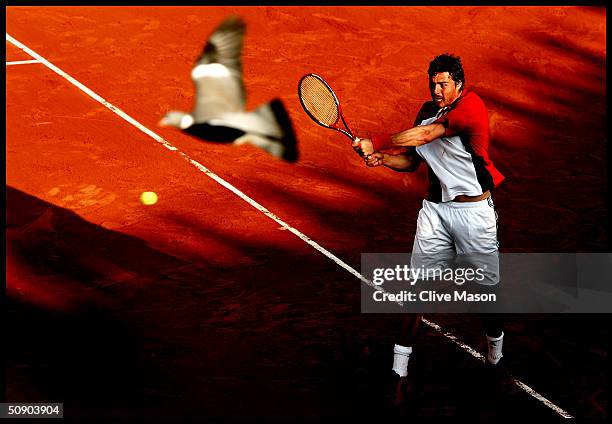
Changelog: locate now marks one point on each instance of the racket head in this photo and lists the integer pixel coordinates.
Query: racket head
(321, 103)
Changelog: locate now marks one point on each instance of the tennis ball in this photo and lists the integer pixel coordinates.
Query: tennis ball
(148, 198)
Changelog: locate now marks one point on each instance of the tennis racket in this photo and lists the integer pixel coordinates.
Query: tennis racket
(321, 104)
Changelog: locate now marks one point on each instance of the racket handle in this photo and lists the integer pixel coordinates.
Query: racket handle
(357, 139)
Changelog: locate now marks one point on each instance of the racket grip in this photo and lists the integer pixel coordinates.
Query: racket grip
(357, 139)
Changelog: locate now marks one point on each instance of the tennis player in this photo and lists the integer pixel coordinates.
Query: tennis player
(451, 135)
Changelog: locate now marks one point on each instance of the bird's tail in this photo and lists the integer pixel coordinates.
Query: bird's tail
(268, 127)
(288, 139)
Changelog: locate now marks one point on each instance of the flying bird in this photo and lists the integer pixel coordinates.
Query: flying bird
(219, 113)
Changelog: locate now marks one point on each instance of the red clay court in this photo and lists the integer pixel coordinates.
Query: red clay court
(202, 307)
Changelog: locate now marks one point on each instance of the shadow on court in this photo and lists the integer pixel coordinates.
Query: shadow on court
(120, 331)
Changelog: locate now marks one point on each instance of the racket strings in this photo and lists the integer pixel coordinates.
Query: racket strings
(318, 100)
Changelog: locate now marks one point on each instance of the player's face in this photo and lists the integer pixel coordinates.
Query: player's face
(443, 89)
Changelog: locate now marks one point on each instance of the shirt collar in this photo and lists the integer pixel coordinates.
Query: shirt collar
(446, 109)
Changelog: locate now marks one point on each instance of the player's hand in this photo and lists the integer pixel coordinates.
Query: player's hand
(363, 146)
(375, 159)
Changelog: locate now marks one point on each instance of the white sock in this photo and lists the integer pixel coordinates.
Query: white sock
(401, 355)
(494, 345)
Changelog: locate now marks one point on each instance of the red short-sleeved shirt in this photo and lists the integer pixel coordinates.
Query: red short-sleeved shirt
(468, 119)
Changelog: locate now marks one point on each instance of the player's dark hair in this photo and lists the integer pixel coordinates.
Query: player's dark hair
(447, 63)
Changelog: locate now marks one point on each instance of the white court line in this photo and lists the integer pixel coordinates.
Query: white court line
(267, 213)
(481, 358)
(22, 62)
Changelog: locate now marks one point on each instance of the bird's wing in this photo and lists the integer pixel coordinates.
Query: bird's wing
(217, 74)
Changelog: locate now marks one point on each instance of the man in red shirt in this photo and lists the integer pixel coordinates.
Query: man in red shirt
(451, 135)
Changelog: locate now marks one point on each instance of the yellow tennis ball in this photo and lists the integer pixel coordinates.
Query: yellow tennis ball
(148, 198)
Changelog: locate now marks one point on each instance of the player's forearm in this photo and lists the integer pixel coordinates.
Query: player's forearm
(399, 162)
(418, 136)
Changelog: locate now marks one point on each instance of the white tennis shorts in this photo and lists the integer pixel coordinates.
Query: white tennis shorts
(458, 231)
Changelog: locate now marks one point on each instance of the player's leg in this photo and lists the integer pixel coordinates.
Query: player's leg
(399, 385)
(497, 378)
(475, 233)
(405, 341)
(409, 329)
(494, 332)
(433, 247)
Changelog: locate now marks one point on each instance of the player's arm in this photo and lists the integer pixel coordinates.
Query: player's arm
(405, 162)
(398, 158)
(417, 136)
(469, 116)
(413, 137)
